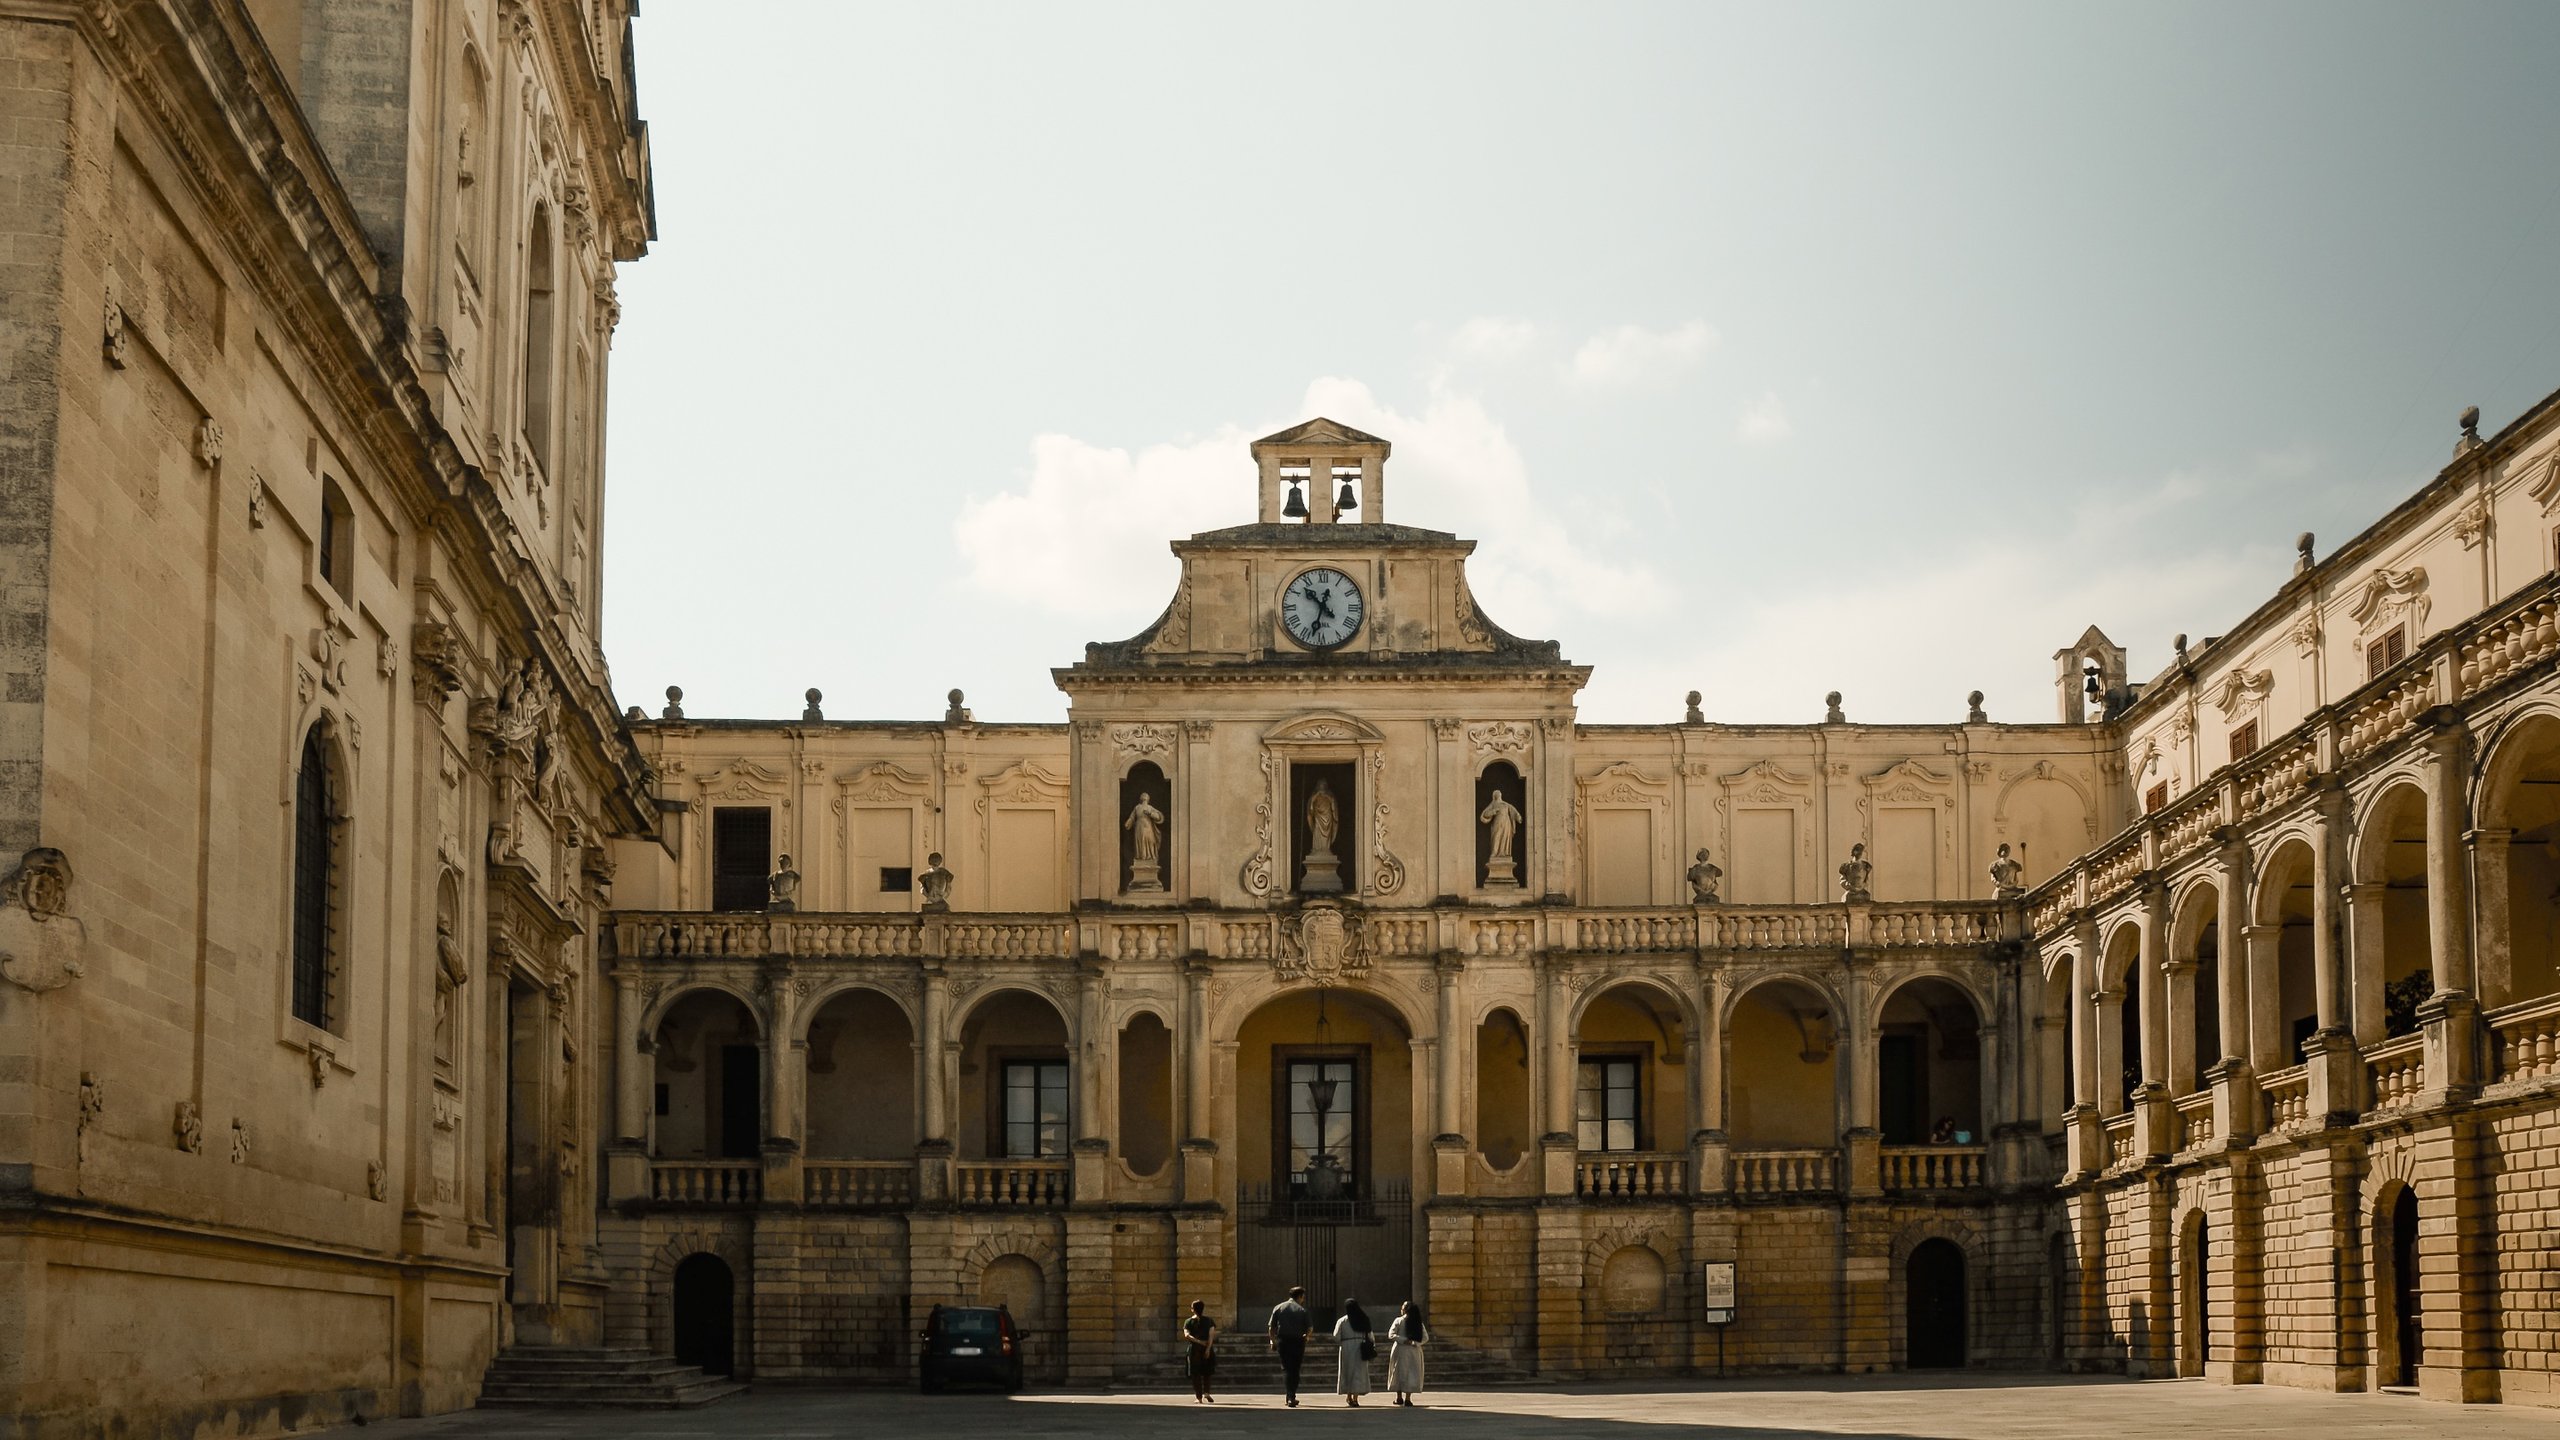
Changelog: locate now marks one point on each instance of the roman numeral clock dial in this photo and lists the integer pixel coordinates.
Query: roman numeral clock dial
(1321, 609)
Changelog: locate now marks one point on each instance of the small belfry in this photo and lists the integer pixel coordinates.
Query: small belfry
(1322, 472)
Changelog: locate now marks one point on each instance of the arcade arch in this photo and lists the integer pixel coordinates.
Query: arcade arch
(1783, 1037)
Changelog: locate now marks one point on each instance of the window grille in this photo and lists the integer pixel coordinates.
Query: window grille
(2385, 652)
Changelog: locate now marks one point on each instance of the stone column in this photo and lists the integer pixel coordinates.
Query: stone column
(2107, 1019)
(2180, 986)
(1199, 1148)
(2328, 977)
(2084, 1058)
(1448, 1077)
(1710, 1148)
(2493, 940)
(1556, 1144)
(2268, 1044)
(1861, 1161)
(781, 1123)
(2364, 925)
(2155, 1127)
(635, 1071)
(934, 1152)
(2335, 1092)
(2235, 1092)
(2450, 1018)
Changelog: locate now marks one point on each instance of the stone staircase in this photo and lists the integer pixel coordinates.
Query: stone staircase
(526, 1377)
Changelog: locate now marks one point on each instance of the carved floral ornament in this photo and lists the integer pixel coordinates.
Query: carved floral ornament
(2243, 691)
(1501, 738)
(2386, 596)
(1144, 741)
(881, 782)
(2545, 489)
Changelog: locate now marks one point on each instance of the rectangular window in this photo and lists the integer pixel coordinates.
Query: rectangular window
(1605, 1103)
(337, 539)
(2385, 652)
(741, 856)
(1035, 1109)
(2156, 798)
(2244, 741)
(1323, 1136)
(897, 879)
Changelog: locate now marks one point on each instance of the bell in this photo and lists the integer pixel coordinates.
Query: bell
(1347, 501)
(1296, 509)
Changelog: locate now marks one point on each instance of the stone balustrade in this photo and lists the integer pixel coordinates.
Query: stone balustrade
(706, 1182)
(2380, 719)
(2194, 1121)
(2528, 637)
(858, 1182)
(2528, 1039)
(2119, 1133)
(1907, 1168)
(1765, 1174)
(1630, 1175)
(2288, 1099)
(2397, 1070)
(1011, 1184)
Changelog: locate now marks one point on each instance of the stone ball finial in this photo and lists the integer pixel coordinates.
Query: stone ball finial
(811, 711)
(1832, 714)
(1973, 713)
(675, 703)
(2471, 422)
(1694, 715)
(957, 713)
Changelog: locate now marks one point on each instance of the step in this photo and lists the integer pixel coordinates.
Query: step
(598, 1378)
(689, 1398)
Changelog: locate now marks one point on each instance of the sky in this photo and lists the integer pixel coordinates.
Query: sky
(1766, 350)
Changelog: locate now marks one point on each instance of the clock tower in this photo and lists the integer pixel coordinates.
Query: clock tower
(1307, 711)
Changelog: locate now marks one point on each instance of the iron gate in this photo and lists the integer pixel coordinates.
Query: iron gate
(1361, 1248)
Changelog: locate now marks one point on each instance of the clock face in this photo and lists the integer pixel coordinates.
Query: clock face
(1321, 608)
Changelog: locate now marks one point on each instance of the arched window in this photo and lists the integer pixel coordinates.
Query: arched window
(315, 882)
(539, 337)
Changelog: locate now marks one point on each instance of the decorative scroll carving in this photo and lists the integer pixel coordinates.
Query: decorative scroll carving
(257, 501)
(1144, 741)
(1258, 867)
(2243, 691)
(1387, 872)
(2387, 595)
(881, 782)
(2305, 634)
(2471, 523)
(1323, 943)
(2545, 489)
(187, 1125)
(209, 442)
(1501, 738)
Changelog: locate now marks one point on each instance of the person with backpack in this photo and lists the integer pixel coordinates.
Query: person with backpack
(1287, 1336)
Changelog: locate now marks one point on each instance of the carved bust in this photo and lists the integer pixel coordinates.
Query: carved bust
(784, 887)
(1704, 877)
(2007, 874)
(935, 882)
(1855, 876)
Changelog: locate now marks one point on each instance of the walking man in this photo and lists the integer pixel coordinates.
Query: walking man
(1287, 1333)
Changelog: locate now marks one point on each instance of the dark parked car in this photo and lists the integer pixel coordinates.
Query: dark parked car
(969, 1342)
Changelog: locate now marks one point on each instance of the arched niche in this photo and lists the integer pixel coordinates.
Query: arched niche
(1146, 829)
(862, 1079)
(1505, 1130)
(1146, 1093)
(710, 1079)
(1506, 872)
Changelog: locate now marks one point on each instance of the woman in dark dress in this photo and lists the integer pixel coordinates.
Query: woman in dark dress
(1200, 1351)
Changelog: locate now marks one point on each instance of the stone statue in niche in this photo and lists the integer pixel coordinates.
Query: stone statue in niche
(783, 888)
(42, 946)
(2008, 876)
(1146, 845)
(1324, 825)
(1704, 878)
(1501, 819)
(935, 882)
(1856, 874)
(452, 973)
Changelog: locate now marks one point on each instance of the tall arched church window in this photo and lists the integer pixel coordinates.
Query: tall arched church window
(315, 886)
(540, 337)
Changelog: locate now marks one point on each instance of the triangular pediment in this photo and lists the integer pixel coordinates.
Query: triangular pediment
(1319, 431)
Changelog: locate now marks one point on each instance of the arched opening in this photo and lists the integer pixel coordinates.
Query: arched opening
(1146, 1093)
(705, 1306)
(541, 337)
(1502, 826)
(2194, 1298)
(2518, 864)
(1929, 1065)
(1632, 1283)
(2387, 915)
(2120, 1034)
(1146, 828)
(1933, 1306)
(2401, 1334)
(1503, 1125)
(2195, 989)
(2284, 903)
(862, 1079)
(2054, 1037)
(1630, 1088)
(1782, 1042)
(317, 880)
(1015, 1080)
(710, 1080)
(1017, 1285)
(1324, 1089)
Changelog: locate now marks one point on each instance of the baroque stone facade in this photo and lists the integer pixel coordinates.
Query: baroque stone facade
(311, 760)
(1598, 1011)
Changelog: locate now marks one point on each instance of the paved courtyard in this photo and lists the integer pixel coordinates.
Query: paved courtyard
(1986, 1406)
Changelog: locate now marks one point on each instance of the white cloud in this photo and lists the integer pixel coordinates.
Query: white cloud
(1492, 338)
(1085, 531)
(1631, 353)
(1764, 421)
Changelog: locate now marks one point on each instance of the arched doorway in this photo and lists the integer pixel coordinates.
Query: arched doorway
(2403, 1329)
(1929, 1065)
(1324, 1146)
(709, 1064)
(705, 1317)
(2195, 1315)
(1933, 1314)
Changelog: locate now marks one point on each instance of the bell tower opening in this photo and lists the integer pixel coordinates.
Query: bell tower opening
(1321, 473)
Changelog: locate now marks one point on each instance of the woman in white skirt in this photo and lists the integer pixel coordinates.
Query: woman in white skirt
(1351, 1333)
(1404, 1361)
